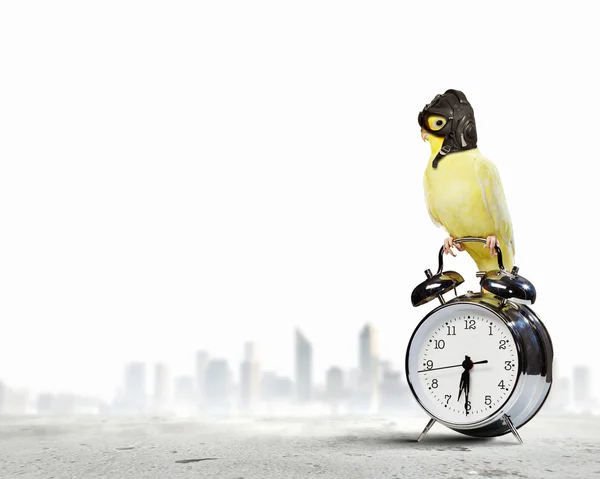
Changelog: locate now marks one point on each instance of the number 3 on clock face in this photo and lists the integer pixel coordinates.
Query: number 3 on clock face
(462, 364)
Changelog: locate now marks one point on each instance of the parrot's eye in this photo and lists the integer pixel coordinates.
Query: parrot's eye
(436, 122)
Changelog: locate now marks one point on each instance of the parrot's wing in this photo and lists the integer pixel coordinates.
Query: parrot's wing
(429, 203)
(495, 201)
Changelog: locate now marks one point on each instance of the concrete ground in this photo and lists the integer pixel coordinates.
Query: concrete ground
(326, 447)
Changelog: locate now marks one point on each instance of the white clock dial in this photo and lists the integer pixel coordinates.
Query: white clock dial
(463, 364)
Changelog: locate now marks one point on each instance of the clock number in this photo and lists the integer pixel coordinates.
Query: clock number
(488, 400)
(469, 324)
(429, 364)
(468, 406)
(440, 344)
(447, 398)
(501, 385)
(434, 383)
(451, 330)
(503, 343)
(491, 334)
(508, 365)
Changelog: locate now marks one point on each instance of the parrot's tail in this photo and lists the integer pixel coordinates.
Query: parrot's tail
(485, 262)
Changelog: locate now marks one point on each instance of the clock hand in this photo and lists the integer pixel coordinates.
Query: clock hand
(467, 392)
(467, 364)
(461, 385)
(446, 367)
(467, 383)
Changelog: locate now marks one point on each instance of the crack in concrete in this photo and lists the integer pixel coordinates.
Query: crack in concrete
(185, 461)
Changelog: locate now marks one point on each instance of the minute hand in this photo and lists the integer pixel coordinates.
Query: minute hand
(446, 367)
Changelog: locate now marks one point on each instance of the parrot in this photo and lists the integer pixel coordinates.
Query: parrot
(463, 189)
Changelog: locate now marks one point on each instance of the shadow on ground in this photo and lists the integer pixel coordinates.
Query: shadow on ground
(458, 441)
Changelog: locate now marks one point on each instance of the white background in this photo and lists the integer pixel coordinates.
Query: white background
(190, 175)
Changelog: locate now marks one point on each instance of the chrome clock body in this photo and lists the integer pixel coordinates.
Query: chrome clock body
(480, 364)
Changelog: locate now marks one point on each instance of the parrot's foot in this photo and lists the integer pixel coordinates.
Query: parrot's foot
(491, 242)
(449, 244)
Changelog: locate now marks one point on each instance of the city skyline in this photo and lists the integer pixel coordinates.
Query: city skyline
(146, 385)
(319, 376)
(371, 386)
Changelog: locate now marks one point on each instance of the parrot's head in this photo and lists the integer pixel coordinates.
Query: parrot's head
(448, 123)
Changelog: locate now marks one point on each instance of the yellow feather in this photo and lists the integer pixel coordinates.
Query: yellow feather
(464, 194)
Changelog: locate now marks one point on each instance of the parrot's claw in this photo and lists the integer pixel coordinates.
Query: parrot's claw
(449, 244)
(491, 242)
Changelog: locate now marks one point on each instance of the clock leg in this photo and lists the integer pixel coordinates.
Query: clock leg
(509, 423)
(427, 428)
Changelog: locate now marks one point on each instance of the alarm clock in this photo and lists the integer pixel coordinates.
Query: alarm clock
(480, 363)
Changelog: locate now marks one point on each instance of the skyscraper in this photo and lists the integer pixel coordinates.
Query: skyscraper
(304, 359)
(161, 386)
(249, 377)
(184, 393)
(582, 387)
(369, 370)
(135, 387)
(3, 394)
(275, 388)
(217, 385)
(394, 394)
(334, 387)
(17, 401)
(368, 352)
(200, 372)
(559, 399)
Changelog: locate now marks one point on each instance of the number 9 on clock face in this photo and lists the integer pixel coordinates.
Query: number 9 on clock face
(462, 364)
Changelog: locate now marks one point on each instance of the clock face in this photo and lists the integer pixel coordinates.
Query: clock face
(462, 363)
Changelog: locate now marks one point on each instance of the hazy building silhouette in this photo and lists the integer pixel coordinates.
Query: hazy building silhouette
(385, 367)
(367, 395)
(55, 404)
(352, 379)
(394, 393)
(304, 361)
(3, 394)
(45, 403)
(268, 386)
(200, 375)
(284, 387)
(334, 387)
(249, 377)
(559, 399)
(582, 388)
(13, 401)
(135, 387)
(217, 386)
(16, 401)
(368, 353)
(184, 393)
(162, 390)
(66, 404)
(275, 388)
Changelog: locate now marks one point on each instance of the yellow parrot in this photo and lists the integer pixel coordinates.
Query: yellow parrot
(463, 190)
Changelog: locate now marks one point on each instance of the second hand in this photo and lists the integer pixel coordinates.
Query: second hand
(455, 366)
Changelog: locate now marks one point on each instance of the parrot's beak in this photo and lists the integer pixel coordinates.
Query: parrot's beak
(424, 134)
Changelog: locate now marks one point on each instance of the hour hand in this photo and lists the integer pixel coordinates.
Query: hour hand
(464, 384)
(467, 364)
(465, 379)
